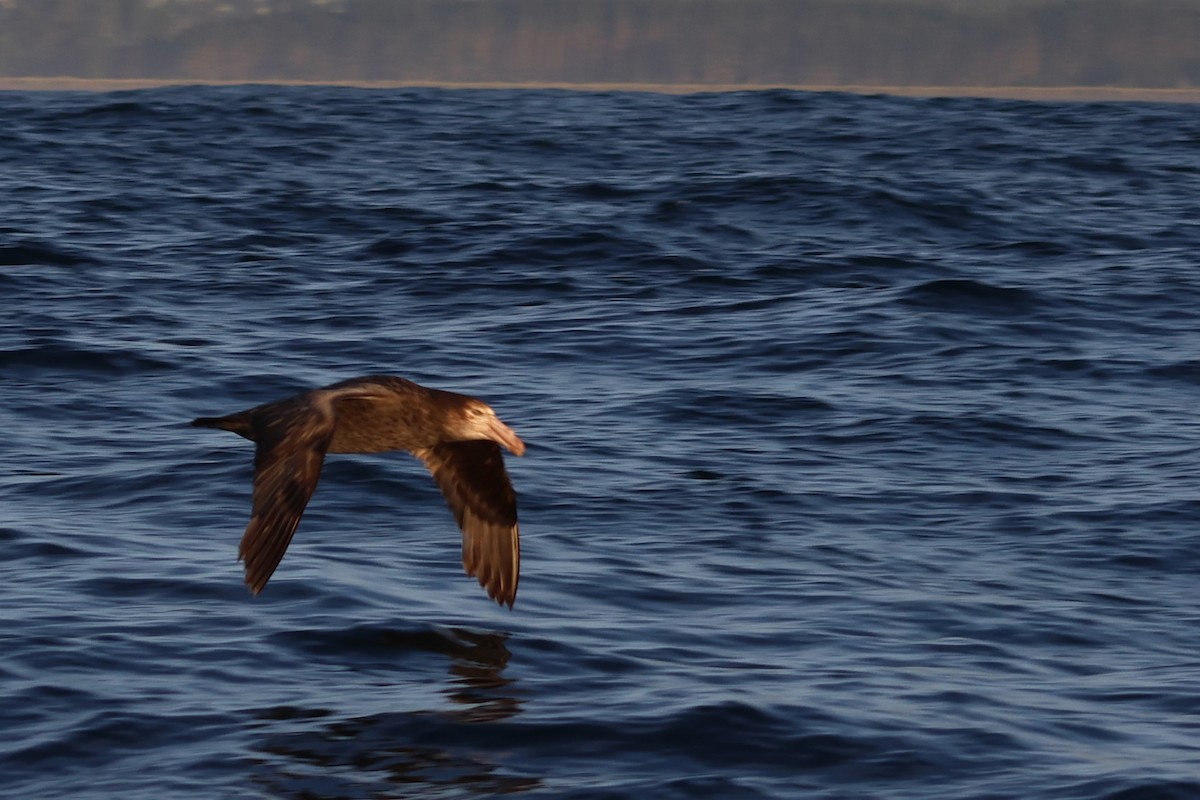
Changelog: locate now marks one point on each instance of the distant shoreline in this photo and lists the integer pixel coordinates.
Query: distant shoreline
(1049, 93)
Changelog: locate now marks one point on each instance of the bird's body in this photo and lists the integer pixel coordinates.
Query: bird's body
(457, 437)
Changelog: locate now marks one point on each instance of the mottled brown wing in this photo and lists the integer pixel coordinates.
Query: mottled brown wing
(472, 477)
(292, 441)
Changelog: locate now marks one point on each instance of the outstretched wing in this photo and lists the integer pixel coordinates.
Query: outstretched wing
(471, 475)
(292, 441)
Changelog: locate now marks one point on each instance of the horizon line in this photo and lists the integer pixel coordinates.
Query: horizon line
(1047, 93)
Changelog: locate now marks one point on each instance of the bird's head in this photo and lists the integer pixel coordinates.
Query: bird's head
(479, 421)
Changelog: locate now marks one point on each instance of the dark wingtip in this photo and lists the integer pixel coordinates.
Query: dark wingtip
(204, 422)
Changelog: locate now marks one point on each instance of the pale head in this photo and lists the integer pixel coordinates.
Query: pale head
(479, 421)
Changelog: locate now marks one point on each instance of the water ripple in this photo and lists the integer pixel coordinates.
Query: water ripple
(861, 444)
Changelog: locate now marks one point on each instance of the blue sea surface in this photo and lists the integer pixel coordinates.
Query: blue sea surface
(863, 445)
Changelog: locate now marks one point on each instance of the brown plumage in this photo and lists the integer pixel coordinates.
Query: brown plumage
(457, 437)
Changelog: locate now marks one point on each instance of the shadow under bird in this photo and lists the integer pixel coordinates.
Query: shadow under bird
(457, 437)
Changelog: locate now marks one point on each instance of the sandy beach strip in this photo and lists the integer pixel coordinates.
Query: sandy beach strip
(1050, 93)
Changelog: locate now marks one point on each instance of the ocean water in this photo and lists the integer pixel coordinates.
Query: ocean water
(862, 445)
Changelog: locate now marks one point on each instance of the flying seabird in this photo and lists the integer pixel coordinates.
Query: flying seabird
(457, 437)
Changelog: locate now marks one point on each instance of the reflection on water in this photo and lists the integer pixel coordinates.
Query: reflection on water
(410, 753)
(478, 687)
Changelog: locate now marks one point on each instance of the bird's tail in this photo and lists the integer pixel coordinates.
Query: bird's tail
(238, 423)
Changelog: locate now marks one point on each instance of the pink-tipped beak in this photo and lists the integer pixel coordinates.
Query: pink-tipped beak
(499, 432)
